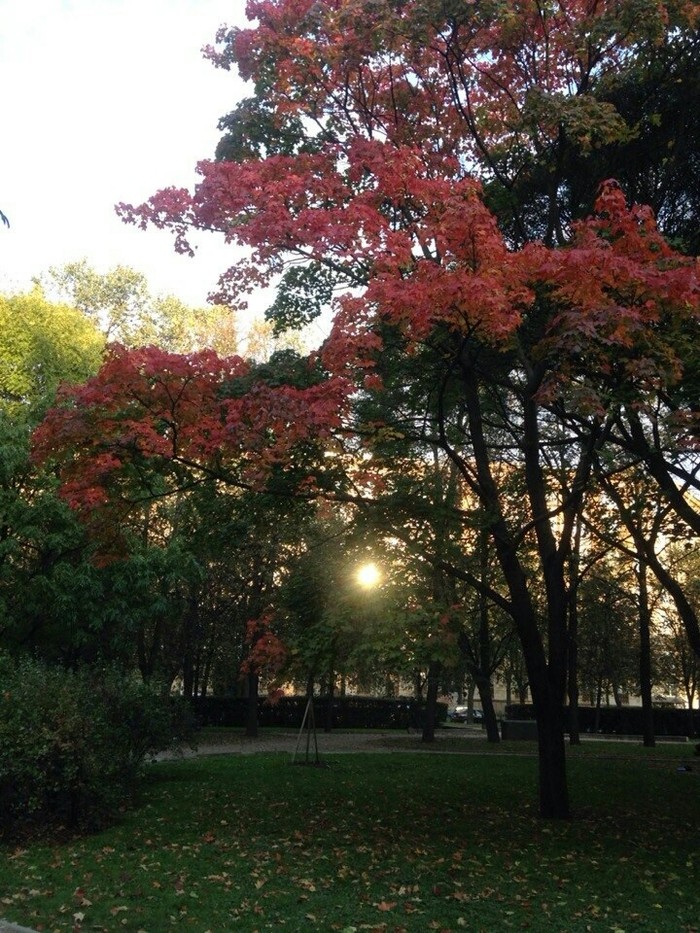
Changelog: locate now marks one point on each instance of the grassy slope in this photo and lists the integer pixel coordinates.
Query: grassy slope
(379, 842)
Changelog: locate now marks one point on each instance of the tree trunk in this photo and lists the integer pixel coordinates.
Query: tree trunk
(546, 667)
(251, 728)
(598, 701)
(328, 718)
(649, 738)
(553, 788)
(431, 702)
(188, 673)
(572, 646)
(483, 679)
(490, 720)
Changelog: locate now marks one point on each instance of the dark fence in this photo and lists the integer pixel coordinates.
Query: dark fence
(347, 712)
(623, 720)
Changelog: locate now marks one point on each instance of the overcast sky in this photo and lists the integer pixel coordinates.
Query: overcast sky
(105, 101)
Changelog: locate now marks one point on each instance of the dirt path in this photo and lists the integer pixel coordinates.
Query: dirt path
(394, 740)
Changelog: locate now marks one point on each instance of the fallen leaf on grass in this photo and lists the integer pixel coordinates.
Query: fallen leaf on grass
(385, 905)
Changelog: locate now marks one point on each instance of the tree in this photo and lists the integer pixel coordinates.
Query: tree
(607, 635)
(46, 584)
(41, 345)
(393, 103)
(120, 303)
(329, 616)
(262, 342)
(678, 664)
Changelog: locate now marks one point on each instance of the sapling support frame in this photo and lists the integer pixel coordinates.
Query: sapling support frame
(308, 726)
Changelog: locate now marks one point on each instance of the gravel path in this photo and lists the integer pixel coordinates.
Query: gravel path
(394, 740)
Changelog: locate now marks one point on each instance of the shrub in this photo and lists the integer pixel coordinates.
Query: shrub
(72, 743)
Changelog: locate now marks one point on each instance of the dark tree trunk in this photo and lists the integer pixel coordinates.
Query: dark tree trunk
(187, 678)
(522, 692)
(649, 738)
(572, 653)
(251, 727)
(204, 685)
(598, 701)
(490, 719)
(328, 718)
(547, 678)
(190, 647)
(483, 680)
(431, 702)
(553, 787)
(546, 666)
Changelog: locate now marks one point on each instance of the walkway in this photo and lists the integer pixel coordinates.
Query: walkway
(391, 740)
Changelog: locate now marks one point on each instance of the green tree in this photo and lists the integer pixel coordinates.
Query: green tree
(41, 345)
(46, 583)
(121, 304)
(607, 635)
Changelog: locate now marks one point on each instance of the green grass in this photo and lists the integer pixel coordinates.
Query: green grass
(379, 842)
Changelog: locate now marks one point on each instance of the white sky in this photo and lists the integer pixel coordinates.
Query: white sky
(104, 101)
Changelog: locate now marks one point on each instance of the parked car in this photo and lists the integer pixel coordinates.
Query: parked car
(461, 714)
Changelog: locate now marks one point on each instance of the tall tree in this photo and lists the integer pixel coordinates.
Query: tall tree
(387, 106)
(46, 584)
(120, 303)
(42, 344)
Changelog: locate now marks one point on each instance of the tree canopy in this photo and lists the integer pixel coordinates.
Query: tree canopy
(411, 168)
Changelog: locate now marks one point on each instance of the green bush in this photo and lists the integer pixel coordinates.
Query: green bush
(72, 743)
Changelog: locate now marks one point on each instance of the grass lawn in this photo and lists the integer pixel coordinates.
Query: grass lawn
(381, 842)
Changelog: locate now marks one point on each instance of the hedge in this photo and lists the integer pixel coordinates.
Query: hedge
(622, 720)
(349, 712)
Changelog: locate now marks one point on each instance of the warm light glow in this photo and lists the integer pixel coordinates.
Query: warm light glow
(368, 575)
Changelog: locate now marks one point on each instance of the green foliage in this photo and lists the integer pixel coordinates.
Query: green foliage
(303, 293)
(608, 656)
(41, 345)
(254, 130)
(120, 304)
(72, 743)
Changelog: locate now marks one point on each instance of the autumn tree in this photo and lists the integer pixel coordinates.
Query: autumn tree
(387, 110)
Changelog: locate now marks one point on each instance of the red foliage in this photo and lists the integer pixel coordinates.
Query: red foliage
(404, 105)
(148, 409)
(266, 651)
